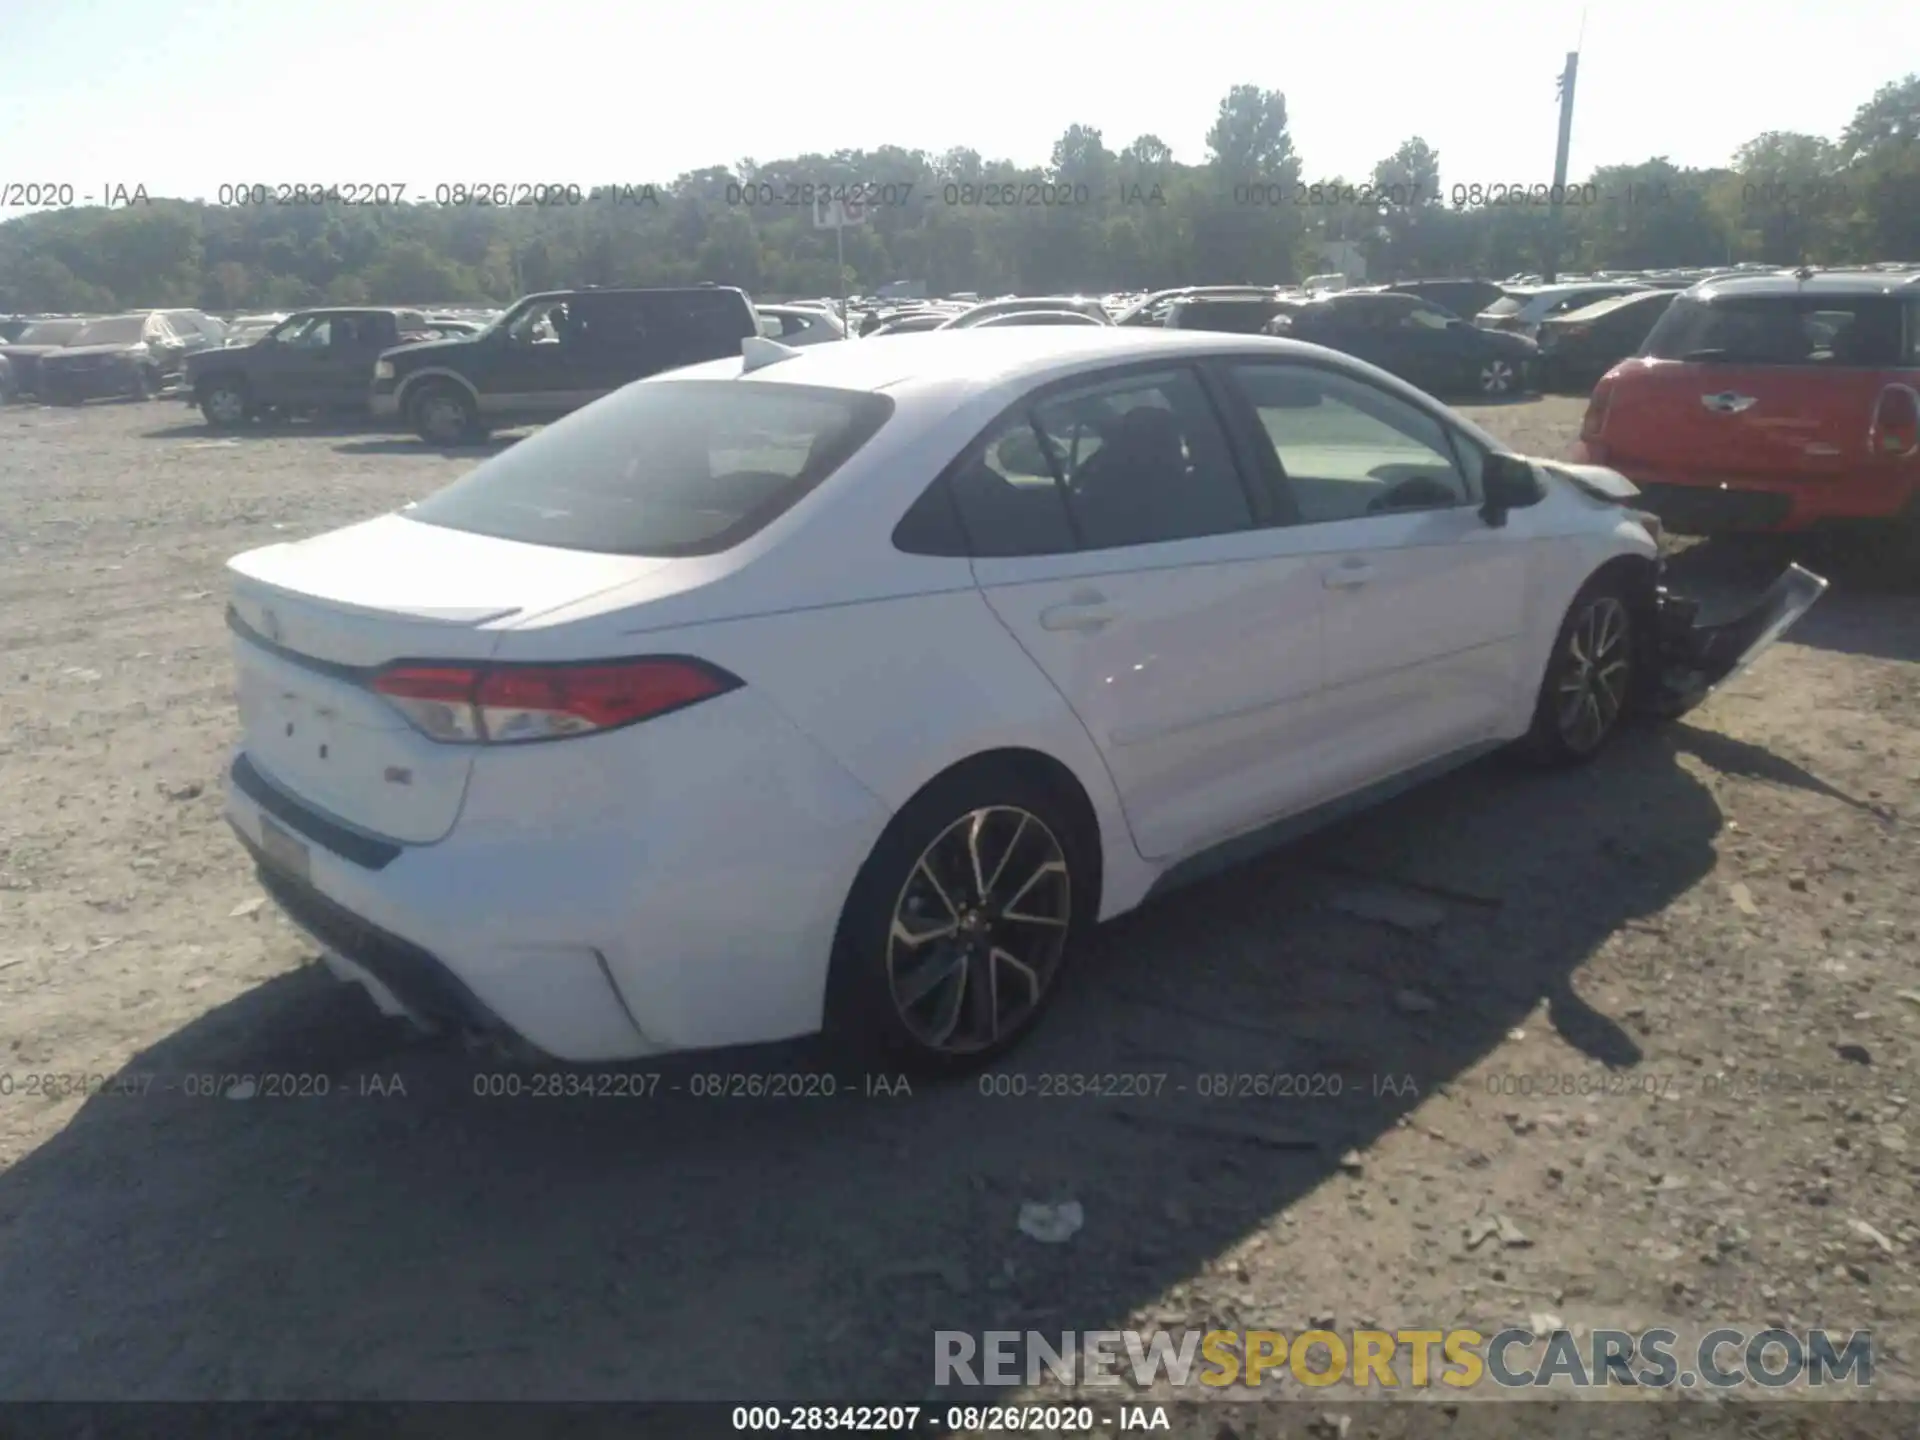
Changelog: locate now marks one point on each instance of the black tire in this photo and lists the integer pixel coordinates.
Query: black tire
(1572, 691)
(441, 413)
(1029, 828)
(225, 401)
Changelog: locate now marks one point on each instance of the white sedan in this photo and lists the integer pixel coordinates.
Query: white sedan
(846, 688)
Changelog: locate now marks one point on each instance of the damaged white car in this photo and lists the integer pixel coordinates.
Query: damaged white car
(846, 688)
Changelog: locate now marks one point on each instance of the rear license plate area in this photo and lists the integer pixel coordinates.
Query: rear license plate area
(284, 852)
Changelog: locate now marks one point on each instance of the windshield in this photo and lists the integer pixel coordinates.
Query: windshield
(51, 332)
(668, 468)
(120, 330)
(1779, 330)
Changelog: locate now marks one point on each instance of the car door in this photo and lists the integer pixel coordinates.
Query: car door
(614, 342)
(354, 345)
(1355, 327)
(1422, 600)
(1115, 535)
(544, 364)
(1431, 351)
(297, 373)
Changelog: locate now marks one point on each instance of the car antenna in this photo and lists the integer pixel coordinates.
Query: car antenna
(759, 352)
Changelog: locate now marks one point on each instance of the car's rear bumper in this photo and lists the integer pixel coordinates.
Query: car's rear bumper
(1691, 660)
(1714, 505)
(672, 886)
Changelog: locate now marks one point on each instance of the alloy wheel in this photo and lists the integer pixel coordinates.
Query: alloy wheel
(979, 929)
(1496, 377)
(1598, 664)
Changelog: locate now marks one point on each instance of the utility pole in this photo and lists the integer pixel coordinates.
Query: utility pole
(1557, 198)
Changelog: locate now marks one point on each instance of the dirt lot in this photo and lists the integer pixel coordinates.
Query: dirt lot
(1708, 939)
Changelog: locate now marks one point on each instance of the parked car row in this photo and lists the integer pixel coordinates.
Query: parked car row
(1750, 401)
(67, 360)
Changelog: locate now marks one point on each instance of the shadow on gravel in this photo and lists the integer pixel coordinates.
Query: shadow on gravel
(318, 426)
(1752, 762)
(374, 1243)
(491, 446)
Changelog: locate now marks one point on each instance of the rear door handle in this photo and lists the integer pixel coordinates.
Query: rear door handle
(1079, 615)
(1350, 575)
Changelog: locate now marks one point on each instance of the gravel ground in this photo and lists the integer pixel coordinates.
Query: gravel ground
(1660, 1015)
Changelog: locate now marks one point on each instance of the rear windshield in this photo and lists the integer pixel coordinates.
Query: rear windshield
(1785, 330)
(1505, 305)
(668, 468)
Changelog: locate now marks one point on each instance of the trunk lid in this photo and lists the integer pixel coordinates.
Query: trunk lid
(313, 619)
(1700, 423)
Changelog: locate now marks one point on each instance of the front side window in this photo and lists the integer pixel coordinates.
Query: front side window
(686, 467)
(1348, 450)
(1144, 461)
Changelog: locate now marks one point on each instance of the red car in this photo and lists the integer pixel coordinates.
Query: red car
(1771, 402)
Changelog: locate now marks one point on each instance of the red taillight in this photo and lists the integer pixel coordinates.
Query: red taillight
(510, 704)
(1895, 430)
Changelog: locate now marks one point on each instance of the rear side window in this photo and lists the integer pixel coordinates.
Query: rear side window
(711, 316)
(1840, 331)
(688, 467)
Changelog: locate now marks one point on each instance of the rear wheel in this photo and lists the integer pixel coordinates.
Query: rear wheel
(445, 415)
(1498, 377)
(1588, 686)
(958, 928)
(225, 402)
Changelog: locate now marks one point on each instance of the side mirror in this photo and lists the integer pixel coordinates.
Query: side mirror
(1508, 483)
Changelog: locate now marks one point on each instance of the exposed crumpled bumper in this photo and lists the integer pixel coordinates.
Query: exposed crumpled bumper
(1691, 660)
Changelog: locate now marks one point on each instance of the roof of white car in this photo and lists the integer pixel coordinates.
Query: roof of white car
(979, 358)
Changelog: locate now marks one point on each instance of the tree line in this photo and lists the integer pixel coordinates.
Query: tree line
(1092, 219)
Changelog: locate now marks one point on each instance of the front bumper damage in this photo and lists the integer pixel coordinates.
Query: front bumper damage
(1689, 660)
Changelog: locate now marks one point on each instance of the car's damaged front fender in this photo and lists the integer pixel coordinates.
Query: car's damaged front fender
(1689, 660)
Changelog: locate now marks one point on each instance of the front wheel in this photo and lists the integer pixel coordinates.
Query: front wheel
(956, 933)
(445, 415)
(1588, 686)
(225, 403)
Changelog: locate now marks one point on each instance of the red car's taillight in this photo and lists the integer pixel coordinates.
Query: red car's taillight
(511, 704)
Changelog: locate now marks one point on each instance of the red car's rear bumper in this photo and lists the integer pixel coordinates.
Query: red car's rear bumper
(1714, 505)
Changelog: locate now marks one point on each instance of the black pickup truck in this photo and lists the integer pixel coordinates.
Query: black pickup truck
(554, 352)
(314, 361)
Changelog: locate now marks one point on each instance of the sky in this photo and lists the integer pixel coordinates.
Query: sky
(181, 97)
